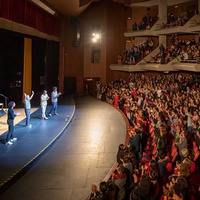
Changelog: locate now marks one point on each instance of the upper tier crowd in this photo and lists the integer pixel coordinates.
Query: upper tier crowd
(181, 20)
(146, 23)
(137, 52)
(185, 50)
(161, 154)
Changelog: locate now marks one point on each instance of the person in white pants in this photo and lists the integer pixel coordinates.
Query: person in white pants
(43, 102)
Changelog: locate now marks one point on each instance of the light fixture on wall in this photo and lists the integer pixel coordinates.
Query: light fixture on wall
(96, 35)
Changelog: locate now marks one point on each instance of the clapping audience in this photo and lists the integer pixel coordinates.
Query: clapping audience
(184, 50)
(160, 152)
(137, 52)
(146, 23)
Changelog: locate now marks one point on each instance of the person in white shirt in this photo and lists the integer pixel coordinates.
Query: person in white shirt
(43, 102)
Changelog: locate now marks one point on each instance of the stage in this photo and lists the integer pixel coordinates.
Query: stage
(31, 141)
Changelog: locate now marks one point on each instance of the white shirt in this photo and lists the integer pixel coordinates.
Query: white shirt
(43, 99)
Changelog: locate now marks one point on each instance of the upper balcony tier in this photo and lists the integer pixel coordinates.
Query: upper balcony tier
(191, 27)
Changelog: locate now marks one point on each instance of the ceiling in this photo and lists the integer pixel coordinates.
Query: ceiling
(68, 7)
(72, 8)
(76, 7)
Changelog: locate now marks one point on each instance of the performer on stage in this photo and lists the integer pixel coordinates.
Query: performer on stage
(43, 102)
(10, 122)
(27, 105)
(54, 101)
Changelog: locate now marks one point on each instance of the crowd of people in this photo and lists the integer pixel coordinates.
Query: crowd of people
(137, 52)
(181, 20)
(162, 150)
(146, 23)
(186, 50)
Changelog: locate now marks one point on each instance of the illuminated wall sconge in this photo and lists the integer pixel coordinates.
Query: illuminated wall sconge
(96, 34)
(96, 38)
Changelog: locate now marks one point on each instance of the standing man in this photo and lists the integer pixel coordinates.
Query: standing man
(10, 122)
(54, 101)
(27, 105)
(182, 144)
(43, 102)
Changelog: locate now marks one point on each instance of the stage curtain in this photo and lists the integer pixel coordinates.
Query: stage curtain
(29, 14)
(27, 75)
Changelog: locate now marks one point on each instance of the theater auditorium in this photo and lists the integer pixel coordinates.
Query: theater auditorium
(99, 99)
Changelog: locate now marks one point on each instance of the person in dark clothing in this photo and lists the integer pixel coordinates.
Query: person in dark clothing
(103, 94)
(120, 154)
(10, 122)
(104, 192)
(141, 190)
(155, 185)
(162, 162)
(182, 144)
(161, 142)
(119, 178)
(135, 141)
(128, 167)
(121, 103)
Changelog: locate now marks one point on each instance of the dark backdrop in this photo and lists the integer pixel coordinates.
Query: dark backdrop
(45, 65)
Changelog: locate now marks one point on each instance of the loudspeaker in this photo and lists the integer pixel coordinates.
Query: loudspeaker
(76, 32)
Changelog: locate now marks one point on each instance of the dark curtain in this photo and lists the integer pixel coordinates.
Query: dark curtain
(52, 64)
(38, 62)
(29, 14)
(45, 65)
(11, 64)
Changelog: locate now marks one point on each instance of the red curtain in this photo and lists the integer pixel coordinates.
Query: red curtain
(29, 14)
